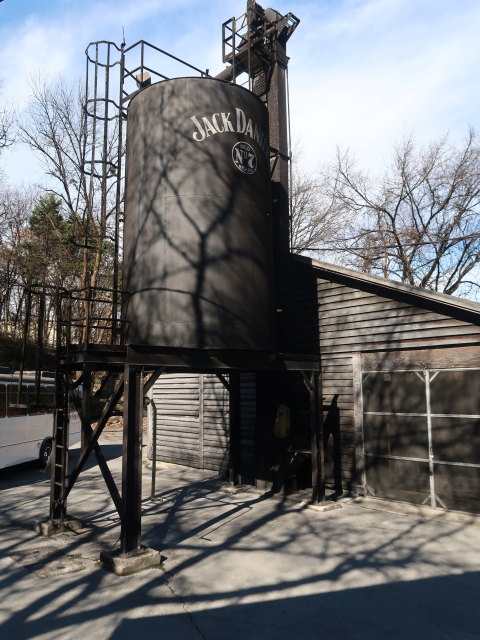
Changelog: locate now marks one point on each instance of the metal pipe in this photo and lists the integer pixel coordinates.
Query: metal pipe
(154, 448)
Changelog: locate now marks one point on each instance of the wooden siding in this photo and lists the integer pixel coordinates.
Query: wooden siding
(353, 321)
(215, 423)
(192, 420)
(248, 421)
(342, 323)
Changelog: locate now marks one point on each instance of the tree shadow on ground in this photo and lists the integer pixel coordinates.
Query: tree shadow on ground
(399, 610)
(244, 566)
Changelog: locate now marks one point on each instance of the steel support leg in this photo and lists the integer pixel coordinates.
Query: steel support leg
(132, 460)
(131, 557)
(59, 459)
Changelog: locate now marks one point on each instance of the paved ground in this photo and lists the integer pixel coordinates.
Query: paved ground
(237, 567)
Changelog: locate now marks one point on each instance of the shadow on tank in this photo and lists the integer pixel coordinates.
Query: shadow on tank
(198, 239)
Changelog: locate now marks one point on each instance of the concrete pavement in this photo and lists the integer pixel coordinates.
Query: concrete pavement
(236, 566)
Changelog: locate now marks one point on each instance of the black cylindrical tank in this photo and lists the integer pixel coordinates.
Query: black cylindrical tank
(197, 239)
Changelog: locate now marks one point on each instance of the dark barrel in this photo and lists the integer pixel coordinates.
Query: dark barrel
(197, 240)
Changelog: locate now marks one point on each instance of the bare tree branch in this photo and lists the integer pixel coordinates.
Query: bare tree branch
(420, 223)
(56, 129)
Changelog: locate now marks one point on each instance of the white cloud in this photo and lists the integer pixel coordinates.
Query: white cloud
(362, 72)
(52, 45)
(379, 69)
(37, 48)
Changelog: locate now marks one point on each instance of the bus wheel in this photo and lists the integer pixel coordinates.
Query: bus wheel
(45, 452)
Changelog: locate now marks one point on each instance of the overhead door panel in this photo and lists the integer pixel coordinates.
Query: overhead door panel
(421, 436)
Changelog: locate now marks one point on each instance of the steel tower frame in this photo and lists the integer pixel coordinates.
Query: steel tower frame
(254, 46)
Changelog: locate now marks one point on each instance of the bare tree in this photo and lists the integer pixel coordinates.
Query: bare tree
(6, 128)
(420, 223)
(56, 129)
(15, 209)
(7, 122)
(314, 216)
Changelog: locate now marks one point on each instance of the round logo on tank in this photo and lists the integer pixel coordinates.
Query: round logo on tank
(244, 157)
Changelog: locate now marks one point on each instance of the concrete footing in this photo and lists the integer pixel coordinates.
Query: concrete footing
(124, 564)
(322, 506)
(51, 528)
(233, 489)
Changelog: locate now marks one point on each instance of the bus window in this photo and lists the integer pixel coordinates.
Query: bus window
(33, 409)
(13, 399)
(47, 395)
(34, 402)
(3, 400)
(43, 402)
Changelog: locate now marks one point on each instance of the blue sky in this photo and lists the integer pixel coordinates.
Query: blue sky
(363, 73)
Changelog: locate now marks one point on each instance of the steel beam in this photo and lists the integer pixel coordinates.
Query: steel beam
(93, 444)
(131, 463)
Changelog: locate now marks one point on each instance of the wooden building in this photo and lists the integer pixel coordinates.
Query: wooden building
(400, 385)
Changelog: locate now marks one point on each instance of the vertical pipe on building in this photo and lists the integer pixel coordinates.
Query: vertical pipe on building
(201, 423)
(235, 428)
(278, 119)
(154, 448)
(86, 404)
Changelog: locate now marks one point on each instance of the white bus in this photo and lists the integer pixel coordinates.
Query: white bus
(26, 422)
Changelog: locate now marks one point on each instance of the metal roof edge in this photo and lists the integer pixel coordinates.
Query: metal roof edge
(417, 294)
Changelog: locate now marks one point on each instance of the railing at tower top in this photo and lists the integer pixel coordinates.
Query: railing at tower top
(43, 318)
(254, 45)
(85, 317)
(41, 324)
(28, 340)
(142, 58)
(248, 44)
(114, 74)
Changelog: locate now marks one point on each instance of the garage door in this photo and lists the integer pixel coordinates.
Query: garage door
(421, 436)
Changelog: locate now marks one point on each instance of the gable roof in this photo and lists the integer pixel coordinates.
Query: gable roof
(442, 303)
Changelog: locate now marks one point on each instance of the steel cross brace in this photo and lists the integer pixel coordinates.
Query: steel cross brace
(93, 436)
(93, 445)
